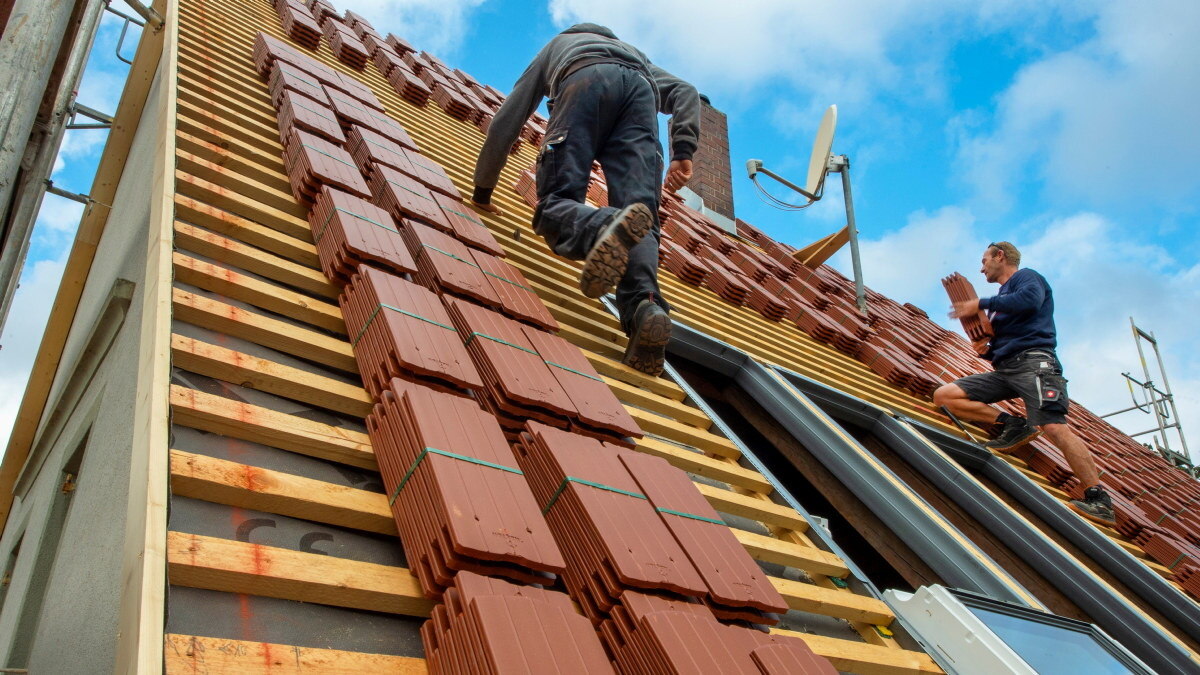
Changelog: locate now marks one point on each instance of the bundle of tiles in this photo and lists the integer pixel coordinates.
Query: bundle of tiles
(489, 626)
(446, 264)
(386, 59)
(526, 186)
(1189, 578)
(350, 231)
(345, 45)
(299, 23)
(406, 83)
(976, 326)
(432, 175)
(459, 501)
(404, 197)
(312, 162)
(809, 291)
(467, 226)
(297, 111)
(399, 44)
(770, 305)
(285, 78)
(746, 264)
(369, 148)
(609, 533)
(653, 634)
(1050, 463)
(322, 10)
(400, 329)
(523, 381)
(821, 328)
(1168, 550)
(681, 263)
(454, 103)
(727, 284)
(351, 111)
(782, 293)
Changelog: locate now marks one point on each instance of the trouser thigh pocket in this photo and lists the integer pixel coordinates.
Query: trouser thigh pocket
(1052, 392)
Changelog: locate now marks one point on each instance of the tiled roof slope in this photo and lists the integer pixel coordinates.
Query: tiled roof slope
(267, 364)
(745, 290)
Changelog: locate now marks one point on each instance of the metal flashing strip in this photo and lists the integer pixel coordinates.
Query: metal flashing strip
(918, 445)
(950, 554)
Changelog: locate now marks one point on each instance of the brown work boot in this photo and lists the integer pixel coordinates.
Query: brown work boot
(1096, 506)
(647, 348)
(605, 264)
(1016, 433)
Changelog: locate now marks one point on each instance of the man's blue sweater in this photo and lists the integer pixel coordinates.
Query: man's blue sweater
(1022, 315)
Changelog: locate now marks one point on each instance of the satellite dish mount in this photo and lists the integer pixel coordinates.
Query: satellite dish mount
(821, 163)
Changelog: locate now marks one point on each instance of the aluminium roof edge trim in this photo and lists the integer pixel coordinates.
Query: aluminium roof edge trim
(1108, 608)
(950, 554)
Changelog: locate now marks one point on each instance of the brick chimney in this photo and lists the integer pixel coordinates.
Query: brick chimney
(711, 176)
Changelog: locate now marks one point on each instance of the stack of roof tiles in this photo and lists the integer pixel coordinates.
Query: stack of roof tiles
(977, 326)
(460, 357)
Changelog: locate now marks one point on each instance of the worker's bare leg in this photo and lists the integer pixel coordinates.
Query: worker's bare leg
(1076, 452)
(956, 401)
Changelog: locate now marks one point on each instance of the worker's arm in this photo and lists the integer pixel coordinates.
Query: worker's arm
(1028, 296)
(506, 126)
(681, 101)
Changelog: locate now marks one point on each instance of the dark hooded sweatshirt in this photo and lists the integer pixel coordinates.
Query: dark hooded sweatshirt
(541, 79)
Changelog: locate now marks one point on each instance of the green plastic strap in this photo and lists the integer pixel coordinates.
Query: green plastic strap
(451, 455)
(450, 255)
(405, 313)
(496, 339)
(292, 72)
(572, 370)
(315, 112)
(1161, 518)
(322, 152)
(390, 182)
(474, 221)
(1177, 561)
(693, 516)
(571, 479)
(507, 281)
(328, 218)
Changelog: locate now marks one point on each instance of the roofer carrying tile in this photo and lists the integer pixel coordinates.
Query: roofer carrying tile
(605, 96)
(1024, 364)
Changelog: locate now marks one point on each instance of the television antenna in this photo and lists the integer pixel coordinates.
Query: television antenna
(1152, 400)
(821, 163)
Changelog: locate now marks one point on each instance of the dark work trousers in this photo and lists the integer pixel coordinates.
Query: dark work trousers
(603, 112)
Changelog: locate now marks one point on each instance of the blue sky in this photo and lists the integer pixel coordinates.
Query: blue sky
(1065, 127)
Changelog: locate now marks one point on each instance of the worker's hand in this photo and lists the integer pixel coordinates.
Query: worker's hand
(487, 207)
(678, 174)
(965, 308)
(980, 346)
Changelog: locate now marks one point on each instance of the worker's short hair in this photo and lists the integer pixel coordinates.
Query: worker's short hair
(1011, 254)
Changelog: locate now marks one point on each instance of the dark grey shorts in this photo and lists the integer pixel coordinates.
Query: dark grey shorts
(1035, 376)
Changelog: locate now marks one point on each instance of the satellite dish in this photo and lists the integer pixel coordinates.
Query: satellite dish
(818, 165)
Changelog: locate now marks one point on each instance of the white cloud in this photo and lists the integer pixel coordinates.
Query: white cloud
(437, 26)
(23, 334)
(59, 214)
(1110, 121)
(907, 264)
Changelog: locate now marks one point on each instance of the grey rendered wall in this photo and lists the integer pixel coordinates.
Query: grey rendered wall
(73, 629)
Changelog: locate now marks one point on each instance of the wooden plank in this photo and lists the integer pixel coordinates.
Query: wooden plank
(865, 659)
(270, 377)
(241, 184)
(224, 197)
(618, 371)
(214, 414)
(212, 563)
(300, 251)
(702, 465)
(754, 508)
(808, 558)
(672, 408)
(243, 256)
(815, 254)
(263, 167)
(707, 441)
(261, 294)
(225, 482)
(218, 564)
(263, 330)
(194, 655)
